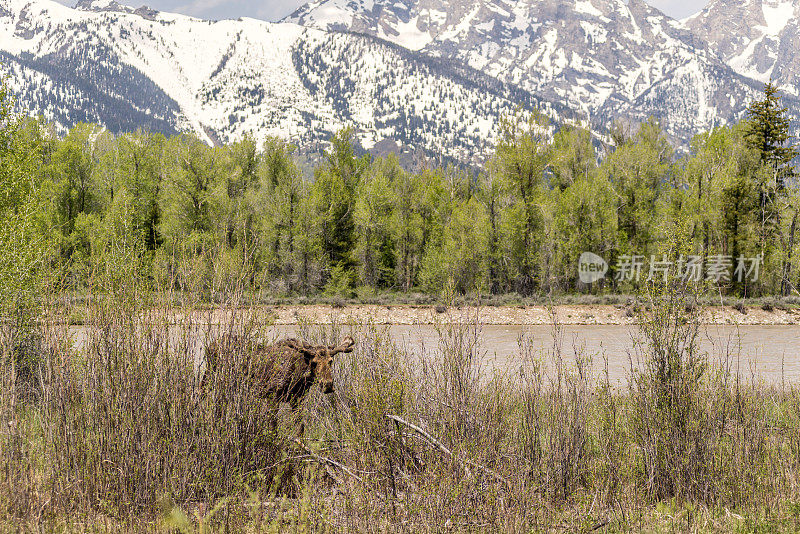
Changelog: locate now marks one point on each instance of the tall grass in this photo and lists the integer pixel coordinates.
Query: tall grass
(124, 434)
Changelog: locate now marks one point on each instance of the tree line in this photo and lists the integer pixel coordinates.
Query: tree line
(201, 218)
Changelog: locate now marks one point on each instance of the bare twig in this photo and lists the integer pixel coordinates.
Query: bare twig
(598, 526)
(433, 441)
(323, 460)
(447, 452)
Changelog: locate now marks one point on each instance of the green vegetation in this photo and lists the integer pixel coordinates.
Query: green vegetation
(110, 427)
(192, 215)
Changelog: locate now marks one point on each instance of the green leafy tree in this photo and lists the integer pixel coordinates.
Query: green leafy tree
(241, 165)
(419, 205)
(704, 173)
(579, 200)
(638, 171)
(522, 157)
(791, 211)
(128, 182)
(24, 249)
(277, 206)
(739, 203)
(374, 212)
(334, 193)
(70, 185)
(573, 156)
(720, 205)
(492, 194)
(458, 261)
(308, 245)
(189, 196)
(586, 221)
(193, 207)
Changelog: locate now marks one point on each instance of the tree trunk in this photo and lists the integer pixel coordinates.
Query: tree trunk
(787, 263)
(495, 285)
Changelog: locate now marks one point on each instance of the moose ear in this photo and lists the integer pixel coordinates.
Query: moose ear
(345, 346)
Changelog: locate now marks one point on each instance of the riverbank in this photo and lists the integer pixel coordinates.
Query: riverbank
(515, 315)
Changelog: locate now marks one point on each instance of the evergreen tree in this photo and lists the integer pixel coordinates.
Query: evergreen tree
(768, 133)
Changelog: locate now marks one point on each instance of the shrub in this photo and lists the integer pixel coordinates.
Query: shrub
(428, 438)
(675, 434)
(130, 411)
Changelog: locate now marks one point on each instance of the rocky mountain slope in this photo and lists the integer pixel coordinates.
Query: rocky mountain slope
(126, 69)
(604, 58)
(757, 38)
(423, 74)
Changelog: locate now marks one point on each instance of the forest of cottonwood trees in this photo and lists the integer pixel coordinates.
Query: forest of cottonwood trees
(201, 218)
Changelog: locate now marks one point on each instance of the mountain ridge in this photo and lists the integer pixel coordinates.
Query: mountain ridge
(399, 71)
(604, 58)
(765, 43)
(222, 80)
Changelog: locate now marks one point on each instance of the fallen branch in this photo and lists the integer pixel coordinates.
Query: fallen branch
(447, 452)
(433, 441)
(598, 526)
(324, 460)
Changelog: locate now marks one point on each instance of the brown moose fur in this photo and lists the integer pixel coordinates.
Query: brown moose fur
(284, 371)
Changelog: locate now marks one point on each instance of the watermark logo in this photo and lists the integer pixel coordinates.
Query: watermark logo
(591, 268)
(716, 268)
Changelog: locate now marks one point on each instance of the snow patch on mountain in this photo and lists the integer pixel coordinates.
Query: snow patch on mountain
(222, 80)
(777, 16)
(595, 56)
(757, 38)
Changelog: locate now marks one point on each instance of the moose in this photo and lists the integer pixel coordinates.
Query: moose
(283, 372)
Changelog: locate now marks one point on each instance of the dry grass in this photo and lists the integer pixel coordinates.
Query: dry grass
(120, 435)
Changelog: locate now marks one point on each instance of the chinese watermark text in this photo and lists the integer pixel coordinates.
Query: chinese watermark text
(633, 268)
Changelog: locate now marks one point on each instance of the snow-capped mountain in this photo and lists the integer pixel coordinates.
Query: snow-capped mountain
(127, 68)
(429, 74)
(605, 58)
(757, 38)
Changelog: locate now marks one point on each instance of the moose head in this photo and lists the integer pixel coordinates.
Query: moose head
(319, 359)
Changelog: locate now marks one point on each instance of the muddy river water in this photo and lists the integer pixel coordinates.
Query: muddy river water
(765, 353)
(768, 353)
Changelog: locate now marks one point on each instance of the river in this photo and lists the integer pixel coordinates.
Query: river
(768, 353)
